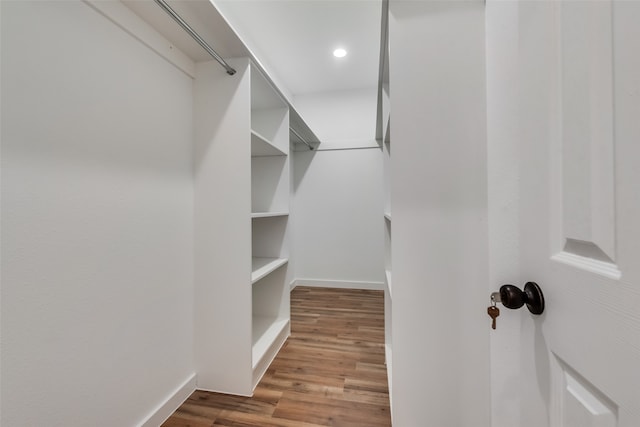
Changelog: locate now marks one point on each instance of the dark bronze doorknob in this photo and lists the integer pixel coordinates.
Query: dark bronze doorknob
(512, 297)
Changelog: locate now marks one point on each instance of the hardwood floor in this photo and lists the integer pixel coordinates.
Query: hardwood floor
(330, 372)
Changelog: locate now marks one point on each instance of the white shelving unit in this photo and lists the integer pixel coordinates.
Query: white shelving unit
(270, 179)
(241, 192)
(242, 250)
(383, 134)
(388, 267)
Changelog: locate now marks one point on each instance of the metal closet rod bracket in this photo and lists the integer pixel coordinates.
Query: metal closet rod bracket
(172, 13)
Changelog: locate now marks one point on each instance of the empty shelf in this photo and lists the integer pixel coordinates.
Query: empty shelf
(266, 330)
(260, 267)
(268, 214)
(261, 146)
(387, 132)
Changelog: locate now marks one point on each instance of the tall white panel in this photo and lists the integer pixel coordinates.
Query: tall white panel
(586, 173)
(223, 228)
(439, 188)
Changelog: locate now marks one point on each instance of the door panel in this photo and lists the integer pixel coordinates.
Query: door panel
(579, 150)
(586, 176)
(580, 404)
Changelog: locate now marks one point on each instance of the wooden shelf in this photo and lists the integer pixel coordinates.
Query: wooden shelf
(261, 267)
(261, 146)
(268, 214)
(389, 283)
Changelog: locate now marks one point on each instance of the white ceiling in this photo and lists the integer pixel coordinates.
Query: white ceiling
(295, 40)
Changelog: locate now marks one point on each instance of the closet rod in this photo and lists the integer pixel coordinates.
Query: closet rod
(163, 4)
(301, 138)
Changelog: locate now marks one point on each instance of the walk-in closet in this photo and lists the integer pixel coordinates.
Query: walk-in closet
(165, 189)
(305, 213)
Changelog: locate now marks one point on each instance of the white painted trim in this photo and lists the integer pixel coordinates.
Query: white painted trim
(171, 404)
(342, 284)
(132, 24)
(602, 268)
(213, 390)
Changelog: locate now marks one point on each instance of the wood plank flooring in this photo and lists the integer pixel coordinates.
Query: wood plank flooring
(330, 372)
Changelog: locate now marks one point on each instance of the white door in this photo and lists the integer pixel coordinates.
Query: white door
(578, 156)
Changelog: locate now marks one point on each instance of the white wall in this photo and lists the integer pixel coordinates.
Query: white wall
(338, 202)
(97, 217)
(338, 217)
(342, 119)
(439, 204)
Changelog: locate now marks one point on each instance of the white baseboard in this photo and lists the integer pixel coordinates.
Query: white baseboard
(173, 402)
(342, 284)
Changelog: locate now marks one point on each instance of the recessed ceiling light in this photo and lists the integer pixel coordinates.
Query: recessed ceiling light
(340, 53)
